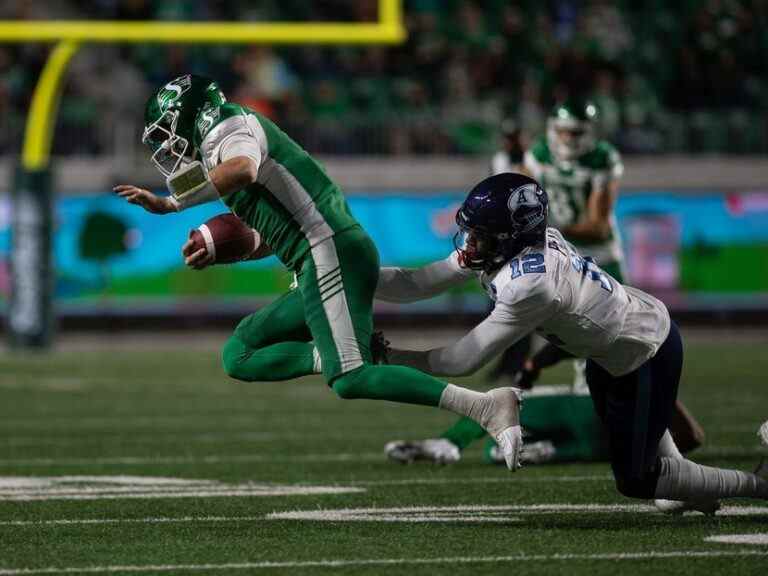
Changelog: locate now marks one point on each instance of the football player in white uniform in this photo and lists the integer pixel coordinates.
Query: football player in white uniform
(540, 283)
(581, 174)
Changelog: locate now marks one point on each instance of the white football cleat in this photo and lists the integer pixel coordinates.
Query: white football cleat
(763, 433)
(510, 443)
(437, 450)
(679, 507)
(502, 421)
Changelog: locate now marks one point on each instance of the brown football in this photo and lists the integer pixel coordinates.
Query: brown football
(226, 237)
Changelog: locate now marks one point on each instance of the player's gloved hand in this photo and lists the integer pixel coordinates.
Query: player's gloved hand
(527, 377)
(380, 348)
(196, 259)
(146, 199)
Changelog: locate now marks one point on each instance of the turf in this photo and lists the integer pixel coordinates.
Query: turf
(172, 413)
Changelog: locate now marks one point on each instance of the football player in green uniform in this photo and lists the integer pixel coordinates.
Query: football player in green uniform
(581, 175)
(209, 149)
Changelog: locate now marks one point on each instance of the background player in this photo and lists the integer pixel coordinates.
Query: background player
(541, 283)
(209, 149)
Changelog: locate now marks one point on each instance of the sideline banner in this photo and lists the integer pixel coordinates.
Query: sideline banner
(709, 248)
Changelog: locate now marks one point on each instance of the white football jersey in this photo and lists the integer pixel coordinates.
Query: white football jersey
(570, 301)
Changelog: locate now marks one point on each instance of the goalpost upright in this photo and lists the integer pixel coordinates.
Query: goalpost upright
(30, 315)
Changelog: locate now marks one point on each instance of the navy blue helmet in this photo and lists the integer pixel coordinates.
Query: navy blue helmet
(501, 215)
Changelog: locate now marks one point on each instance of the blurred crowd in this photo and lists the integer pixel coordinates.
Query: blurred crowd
(687, 76)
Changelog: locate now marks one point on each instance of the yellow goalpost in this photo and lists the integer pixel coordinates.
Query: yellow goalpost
(30, 315)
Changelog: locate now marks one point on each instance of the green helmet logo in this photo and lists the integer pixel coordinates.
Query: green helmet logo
(172, 91)
(571, 129)
(170, 117)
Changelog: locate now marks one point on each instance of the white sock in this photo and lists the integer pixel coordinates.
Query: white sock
(681, 479)
(480, 406)
(465, 402)
(668, 448)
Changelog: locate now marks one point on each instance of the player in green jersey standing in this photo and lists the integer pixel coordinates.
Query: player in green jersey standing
(209, 149)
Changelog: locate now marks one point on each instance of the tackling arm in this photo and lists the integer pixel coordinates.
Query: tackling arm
(412, 284)
(465, 356)
(513, 317)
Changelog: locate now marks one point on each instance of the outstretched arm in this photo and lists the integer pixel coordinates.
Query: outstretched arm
(511, 319)
(227, 177)
(412, 284)
(465, 356)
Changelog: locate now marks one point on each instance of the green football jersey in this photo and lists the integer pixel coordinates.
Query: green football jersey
(293, 204)
(569, 185)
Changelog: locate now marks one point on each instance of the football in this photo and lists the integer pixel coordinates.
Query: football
(225, 237)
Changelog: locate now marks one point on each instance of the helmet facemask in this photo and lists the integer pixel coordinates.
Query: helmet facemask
(486, 244)
(169, 150)
(569, 139)
(479, 250)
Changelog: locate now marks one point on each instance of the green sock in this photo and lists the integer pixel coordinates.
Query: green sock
(394, 383)
(281, 361)
(463, 432)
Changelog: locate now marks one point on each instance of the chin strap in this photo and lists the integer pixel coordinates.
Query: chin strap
(191, 186)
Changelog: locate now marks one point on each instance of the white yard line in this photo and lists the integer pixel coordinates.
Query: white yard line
(160, 520)
(173, 437)
(651, 555)
(463, 513)
(480, 513)
(134, 460)
(502, 478)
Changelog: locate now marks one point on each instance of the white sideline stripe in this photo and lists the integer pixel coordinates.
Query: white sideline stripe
(656, 554)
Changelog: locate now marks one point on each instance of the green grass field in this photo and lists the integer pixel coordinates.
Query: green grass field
(119, 459)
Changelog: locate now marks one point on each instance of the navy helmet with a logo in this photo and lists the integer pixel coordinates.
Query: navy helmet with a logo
(501, 215)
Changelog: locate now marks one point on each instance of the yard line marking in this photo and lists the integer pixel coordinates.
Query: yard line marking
(479, 513)
(386, 562)
(276, 491)
(26, 489)
(502, 478)
(488, 513)
(159, 520)
(199, 436)
(185, 421)
(759, 539)
(132, 460)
